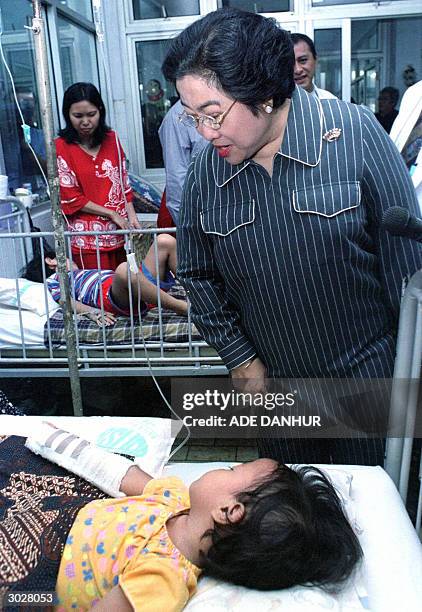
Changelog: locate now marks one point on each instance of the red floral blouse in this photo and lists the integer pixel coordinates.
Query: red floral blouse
(86, 178)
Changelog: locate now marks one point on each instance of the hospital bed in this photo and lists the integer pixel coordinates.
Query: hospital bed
(33, 338)
(389, 579)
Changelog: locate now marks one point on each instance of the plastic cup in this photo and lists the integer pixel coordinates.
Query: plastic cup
(24, 196)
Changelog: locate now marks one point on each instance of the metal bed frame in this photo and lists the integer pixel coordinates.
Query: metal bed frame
(405, 391)
(161, 358)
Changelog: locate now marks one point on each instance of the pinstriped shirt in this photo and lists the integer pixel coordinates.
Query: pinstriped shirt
(295, 267)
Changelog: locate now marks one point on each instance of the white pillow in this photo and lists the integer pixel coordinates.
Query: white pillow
(29, 295)
(12, 334)
(148, 439)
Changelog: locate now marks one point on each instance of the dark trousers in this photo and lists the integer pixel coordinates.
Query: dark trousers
(348, 451)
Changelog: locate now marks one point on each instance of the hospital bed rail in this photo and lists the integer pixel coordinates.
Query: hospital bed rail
(190, 357)
(405, 392)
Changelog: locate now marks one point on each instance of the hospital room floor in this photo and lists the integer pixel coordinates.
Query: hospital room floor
(212, 449)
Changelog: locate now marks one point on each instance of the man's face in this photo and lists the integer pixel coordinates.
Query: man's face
(305, 65)
(385, 103)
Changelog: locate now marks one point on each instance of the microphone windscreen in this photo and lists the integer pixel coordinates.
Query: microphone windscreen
(395, 220)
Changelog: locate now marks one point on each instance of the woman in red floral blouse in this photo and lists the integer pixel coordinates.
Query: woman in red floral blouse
(93, 179)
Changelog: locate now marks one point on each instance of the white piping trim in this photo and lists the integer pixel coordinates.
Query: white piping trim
(201, 215)
(321, 214)
(231, 177)
(321, 122)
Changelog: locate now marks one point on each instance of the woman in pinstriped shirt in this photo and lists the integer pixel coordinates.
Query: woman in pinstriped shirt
(280, 246)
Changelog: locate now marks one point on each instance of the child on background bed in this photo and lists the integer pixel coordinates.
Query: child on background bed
(90, 285)
(259, 524)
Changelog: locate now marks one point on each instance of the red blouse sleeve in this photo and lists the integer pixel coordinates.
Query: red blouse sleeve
(72, 197)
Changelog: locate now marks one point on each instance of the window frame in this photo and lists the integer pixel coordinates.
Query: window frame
(51, 11)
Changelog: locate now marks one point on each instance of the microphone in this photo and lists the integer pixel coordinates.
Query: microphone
(399, 222)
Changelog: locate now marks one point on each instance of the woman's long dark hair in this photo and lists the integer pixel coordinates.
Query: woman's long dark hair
(79, 92)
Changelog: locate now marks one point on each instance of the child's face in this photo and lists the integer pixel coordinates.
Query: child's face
(221, 486)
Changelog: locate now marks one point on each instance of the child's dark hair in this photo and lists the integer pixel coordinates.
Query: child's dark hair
(33, 271)
(79, 92)
(294, 532)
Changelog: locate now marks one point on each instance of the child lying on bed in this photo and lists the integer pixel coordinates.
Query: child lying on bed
(90, 285)
(260, 524)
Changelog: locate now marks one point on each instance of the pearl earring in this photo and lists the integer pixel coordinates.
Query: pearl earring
(268, 108)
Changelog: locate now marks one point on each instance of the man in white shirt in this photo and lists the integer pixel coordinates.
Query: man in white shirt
(180, 144)
(305, 65)
(406, 133)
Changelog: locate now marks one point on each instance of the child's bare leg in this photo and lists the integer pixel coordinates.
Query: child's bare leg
(120, 291)
(166, 247)
(166, 255)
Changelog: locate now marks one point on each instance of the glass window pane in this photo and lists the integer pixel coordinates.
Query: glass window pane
(152, 9)
(156, 96)
(80, 6)
(20, 165)
(328, 70)
(365, 35)
(262, 6)
(78, 57)
(382, 52)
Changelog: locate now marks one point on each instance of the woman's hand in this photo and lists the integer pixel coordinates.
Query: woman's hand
(250, 377)
(120, 221)
(133, 219)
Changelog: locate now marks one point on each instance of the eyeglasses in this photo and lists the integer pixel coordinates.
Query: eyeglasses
(211, 122)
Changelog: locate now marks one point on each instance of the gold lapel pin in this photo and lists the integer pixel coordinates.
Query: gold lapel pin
(333, 134)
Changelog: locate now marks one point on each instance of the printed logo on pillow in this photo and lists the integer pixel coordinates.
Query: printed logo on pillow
(124, 441)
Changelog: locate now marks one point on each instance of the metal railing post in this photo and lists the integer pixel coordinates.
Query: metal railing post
(405, 388)
(44, 92)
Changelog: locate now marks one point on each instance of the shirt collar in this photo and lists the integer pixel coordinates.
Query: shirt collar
(302, 139)
(303, 136)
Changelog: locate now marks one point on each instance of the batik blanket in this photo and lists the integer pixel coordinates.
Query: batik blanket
(38, 505)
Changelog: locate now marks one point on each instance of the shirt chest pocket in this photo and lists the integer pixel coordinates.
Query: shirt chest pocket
(327, 200)
(223, 220)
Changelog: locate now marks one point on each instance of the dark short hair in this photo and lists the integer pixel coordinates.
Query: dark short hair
(33, 271)
(294, 532)
(248, 56)
(79, 92)
(392, 92)
(297, 38)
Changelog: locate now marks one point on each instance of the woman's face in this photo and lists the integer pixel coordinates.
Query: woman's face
(241, 136)
(84, 118)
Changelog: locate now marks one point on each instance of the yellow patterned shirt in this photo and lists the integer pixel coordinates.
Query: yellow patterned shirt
(125, 541)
